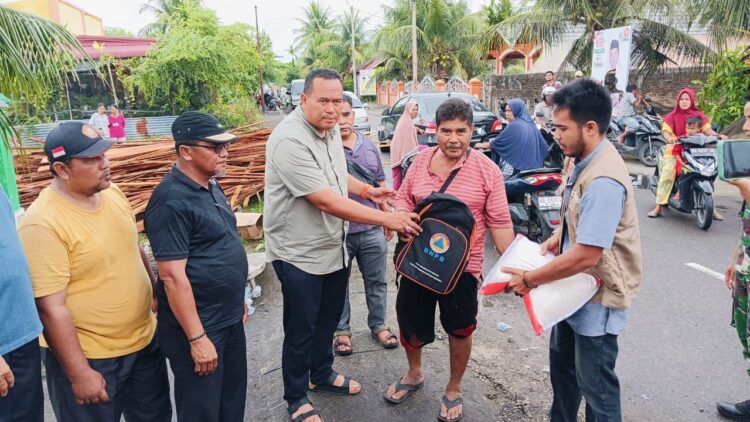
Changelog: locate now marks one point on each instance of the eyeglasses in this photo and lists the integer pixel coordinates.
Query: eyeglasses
(216, 147)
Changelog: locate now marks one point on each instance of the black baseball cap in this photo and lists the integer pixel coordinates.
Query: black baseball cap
(74, 140)
(194, 126)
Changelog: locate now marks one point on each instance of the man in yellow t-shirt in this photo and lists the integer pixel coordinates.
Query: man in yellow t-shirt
(93, 289)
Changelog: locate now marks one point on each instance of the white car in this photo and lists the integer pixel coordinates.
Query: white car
(361, 120)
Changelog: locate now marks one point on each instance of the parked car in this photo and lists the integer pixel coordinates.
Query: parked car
(361, 120)
(294, 90)
(485, 121)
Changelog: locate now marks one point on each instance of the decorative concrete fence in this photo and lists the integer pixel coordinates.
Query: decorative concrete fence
(388, 92)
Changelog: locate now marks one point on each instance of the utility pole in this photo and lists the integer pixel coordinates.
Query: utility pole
(414, 44)
(260, 65)
(354, 60)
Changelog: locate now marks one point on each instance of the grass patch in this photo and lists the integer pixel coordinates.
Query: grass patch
(256, 205)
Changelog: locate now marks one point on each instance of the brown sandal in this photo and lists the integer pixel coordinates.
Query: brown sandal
(385, 343)
(337, 343)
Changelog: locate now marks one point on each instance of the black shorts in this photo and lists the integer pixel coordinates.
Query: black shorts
(415, 308)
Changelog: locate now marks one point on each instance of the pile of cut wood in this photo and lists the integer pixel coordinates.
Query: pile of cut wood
(137, 167)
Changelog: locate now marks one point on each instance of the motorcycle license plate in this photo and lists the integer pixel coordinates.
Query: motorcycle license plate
(703, 152)
(550, 202)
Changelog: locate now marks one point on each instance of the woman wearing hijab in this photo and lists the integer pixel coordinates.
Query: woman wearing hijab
(404, 140)
(520, 146)
(674, 127)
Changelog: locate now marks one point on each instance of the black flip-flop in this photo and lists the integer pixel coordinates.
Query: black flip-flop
(651, 215)
(450, 404)
(409, 388)
(328, 386)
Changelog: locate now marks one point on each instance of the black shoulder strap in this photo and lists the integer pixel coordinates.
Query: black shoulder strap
(742, 210)
(452, 175)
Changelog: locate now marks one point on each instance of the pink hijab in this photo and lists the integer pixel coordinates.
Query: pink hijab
(404, 136)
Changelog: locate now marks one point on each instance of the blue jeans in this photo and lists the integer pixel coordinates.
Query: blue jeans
(583, 366)
(370, 249)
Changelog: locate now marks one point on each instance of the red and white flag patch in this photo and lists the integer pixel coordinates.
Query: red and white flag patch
(58, 152)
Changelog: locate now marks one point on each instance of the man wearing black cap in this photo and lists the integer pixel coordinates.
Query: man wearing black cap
(93, 289)
(202, 275)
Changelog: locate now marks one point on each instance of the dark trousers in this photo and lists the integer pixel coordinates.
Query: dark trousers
(25, 401)
(312, 308)
(583, 366)
(218, 397)
(137, 386)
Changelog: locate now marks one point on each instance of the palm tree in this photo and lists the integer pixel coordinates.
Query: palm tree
(498, 11)
(659, 35)
(36, 56)
(163, 10)
(724, 18)
(447, 35)
(339, 50)
(315, 35)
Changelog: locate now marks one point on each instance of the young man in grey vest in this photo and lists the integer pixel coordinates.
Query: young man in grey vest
(599, 235)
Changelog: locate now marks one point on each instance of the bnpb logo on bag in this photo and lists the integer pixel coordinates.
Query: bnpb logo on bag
(439, 244)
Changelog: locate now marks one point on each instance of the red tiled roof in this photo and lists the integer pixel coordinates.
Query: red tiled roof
(117, 47)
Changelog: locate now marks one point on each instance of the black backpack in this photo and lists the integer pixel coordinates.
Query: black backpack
(436, 258)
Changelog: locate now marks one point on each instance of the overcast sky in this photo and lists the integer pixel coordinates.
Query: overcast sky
(276, 17)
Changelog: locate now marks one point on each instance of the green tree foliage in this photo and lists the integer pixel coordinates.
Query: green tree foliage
(659, 30)
(722, 96)
(36, 56)
(165, 12)
(447, 39)
(498, 11)
(198, 62)
(315, 34)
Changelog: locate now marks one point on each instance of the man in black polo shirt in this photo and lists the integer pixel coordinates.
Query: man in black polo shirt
(202, 275)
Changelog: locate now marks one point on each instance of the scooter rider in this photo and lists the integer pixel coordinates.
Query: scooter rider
(545, 107)
(628, 104)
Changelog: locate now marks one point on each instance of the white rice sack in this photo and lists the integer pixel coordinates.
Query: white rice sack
(553, 302)
(522, 254)
(547, 304)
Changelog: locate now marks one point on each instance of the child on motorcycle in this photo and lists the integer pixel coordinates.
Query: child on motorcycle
(674, 127)
(672, 164)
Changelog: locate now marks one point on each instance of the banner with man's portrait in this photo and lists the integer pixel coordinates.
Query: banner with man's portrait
(612, 55)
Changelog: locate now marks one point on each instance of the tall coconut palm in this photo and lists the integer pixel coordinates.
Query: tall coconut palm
(35, 57)
(339, 49)
(659, 30)
(314, 35)
(162, 10)
(447, 34)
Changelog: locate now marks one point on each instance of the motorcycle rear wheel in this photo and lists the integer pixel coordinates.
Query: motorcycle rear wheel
(704, 210)
(649, 153)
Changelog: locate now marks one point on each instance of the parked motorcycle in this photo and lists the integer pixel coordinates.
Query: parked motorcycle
(696, 183)
(273, 103)
(646, 143)
(533, 200)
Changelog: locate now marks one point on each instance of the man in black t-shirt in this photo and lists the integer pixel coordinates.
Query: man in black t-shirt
(202, 275)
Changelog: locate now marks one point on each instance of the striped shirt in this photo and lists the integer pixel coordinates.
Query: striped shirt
(479, 184)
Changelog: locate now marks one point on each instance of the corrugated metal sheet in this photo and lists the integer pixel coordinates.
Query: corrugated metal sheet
(136, 128)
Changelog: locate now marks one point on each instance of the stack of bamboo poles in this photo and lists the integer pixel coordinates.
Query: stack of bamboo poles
(137, 167)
